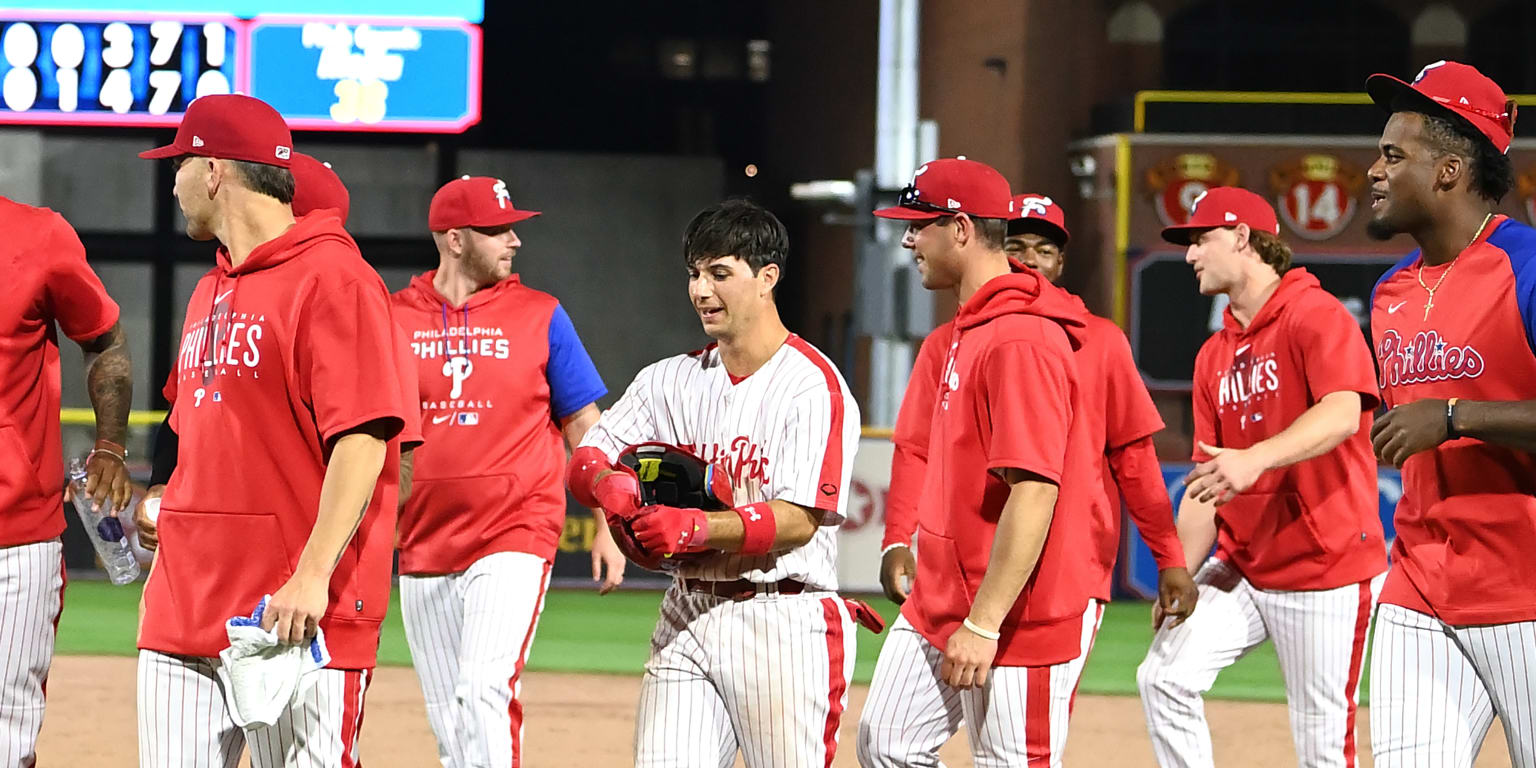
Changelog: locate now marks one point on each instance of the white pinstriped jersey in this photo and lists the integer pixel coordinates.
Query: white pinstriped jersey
(787, 432)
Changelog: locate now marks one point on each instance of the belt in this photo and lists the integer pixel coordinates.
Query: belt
(742, 589)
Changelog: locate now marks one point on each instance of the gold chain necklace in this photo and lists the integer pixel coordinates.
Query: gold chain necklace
(1420, 274)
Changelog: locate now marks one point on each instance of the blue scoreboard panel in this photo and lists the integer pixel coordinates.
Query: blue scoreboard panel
(322, 72)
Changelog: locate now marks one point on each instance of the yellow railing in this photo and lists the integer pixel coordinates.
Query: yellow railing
(86, 417)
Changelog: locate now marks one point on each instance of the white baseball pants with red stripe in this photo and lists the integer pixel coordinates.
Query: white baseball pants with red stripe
(767, 676)
(1435, 689)
(183, 720)
(31, 598)
(469, 634)
(1320, 637)
(1018, 718)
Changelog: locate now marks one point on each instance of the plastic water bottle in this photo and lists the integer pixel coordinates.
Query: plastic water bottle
(106, 532)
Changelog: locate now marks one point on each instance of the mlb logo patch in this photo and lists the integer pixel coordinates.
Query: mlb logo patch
(469, 419)
(218, 397)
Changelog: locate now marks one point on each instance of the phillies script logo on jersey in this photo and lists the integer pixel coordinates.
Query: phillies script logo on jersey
(1424, 359)
(1250, 379)
(222, 342)
(742, 461)
(479, 341)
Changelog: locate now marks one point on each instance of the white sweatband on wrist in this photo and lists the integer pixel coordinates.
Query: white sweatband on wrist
(988, 634)
(893, 546)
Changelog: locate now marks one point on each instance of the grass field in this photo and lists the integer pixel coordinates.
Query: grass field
(582, 632)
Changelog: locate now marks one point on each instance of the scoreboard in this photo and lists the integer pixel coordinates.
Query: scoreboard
(323, 71)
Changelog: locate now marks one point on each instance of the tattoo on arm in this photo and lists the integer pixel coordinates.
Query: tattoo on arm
(109, 380)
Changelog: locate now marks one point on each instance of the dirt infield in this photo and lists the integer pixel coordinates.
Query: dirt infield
(586, 720)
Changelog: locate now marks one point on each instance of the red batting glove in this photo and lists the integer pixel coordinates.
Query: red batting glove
(666, 530)
(618, 492)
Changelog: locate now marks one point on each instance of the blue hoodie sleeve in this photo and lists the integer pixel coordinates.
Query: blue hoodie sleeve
(573, 380)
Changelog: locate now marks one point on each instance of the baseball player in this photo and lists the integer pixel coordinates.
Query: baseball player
(502, 377)
(1127, 419)
(1285, 486)
(285, 396)
(1454, 328)
(999, 619)
(47, 281)
(754, 648)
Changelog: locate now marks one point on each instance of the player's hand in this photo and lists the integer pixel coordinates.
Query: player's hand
(295, 610)
(1408, 429)
(663, 530)
(106, 482)
(1176, 597)
(149, 534)
(897, 568)
(1229, 472)
(967, 659)
(607, 560)
(618, 492)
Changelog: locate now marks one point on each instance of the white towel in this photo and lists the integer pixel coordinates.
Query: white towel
(261, 676)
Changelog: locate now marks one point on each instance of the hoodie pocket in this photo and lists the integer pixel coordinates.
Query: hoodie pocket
(941, 576)
(18, 471)
(1277, 526)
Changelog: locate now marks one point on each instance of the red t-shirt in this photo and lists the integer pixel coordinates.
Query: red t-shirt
(495, 377)
(43, 278)
(279, 356)
(1009, 340)
(1122, 414)
(1467, 517)
(1314, 524)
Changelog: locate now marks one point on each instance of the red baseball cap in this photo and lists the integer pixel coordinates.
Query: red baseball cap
(1041, 212)
(473, 201)
(953, 185)
(1225, 207)
(230, 127)
(316, 186)
(1454, 90)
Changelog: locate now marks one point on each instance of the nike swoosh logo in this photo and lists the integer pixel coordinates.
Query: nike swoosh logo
(441, 419)
(221, 297)
(1392, 310)
(1242, 349)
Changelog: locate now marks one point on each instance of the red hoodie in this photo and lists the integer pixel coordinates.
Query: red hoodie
(495, 378)
(279, 356)
(1314, 524)
(1007, 398)
(1121, 417)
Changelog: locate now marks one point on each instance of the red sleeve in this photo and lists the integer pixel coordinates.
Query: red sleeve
(909, 459)
(347, 364)
(1332, 352)
(410, 393)
(1129, 413)
(1204, 409)
(1140, 479)
(76, 297)
(1027, 408)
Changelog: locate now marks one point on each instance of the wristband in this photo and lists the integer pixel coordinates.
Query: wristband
(121, 457)
(990, 635)
(758, 529)
(1450, 419)
(890, 547)
(587, 462)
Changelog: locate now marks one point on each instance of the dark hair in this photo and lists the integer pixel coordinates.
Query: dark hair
(992, 233)
(740, 228)
(1492, 174)
(1272, 250)
(268, 180)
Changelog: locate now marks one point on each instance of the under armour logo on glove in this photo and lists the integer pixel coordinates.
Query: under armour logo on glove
(664, 530)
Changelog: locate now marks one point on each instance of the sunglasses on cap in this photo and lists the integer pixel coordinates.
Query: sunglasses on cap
(909, 199)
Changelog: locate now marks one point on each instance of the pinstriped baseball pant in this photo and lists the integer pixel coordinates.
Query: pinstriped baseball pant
(1435, 690)
(31, 599)
(1018, 718)
(1320, 637)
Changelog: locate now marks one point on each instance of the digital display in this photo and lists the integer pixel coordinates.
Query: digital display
(322, 73)
(124, 70)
